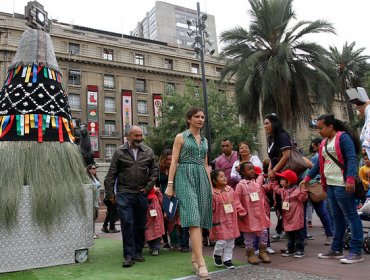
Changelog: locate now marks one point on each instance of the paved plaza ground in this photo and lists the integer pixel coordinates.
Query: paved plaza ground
(309, 267)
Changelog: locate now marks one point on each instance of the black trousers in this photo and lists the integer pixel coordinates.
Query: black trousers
(296, 240)
(111, 215)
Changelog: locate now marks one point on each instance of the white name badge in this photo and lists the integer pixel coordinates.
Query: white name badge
(228, 208)
(286, 205)
(254, 196)
(153, 213)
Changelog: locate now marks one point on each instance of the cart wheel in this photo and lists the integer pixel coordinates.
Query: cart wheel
(81, 255)
(347, 239)
(366, 245)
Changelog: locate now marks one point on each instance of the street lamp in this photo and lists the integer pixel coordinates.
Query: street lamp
(200, 35)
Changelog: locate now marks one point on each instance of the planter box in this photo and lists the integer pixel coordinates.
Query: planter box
(27, 246)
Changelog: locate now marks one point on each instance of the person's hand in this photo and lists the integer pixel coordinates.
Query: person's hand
(350, 188)
(303, 185)
(271, 175)
(144, 191)
(169, 191)
(237, 168)
(241, 217)
(112, 199)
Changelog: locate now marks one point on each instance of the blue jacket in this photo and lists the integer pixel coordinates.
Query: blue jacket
(346, 155)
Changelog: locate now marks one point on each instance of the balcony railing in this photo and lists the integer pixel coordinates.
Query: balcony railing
(110, 133)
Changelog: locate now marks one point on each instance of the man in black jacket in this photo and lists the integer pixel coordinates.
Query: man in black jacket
(133, 166)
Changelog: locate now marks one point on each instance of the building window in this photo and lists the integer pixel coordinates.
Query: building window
(344, 111)
(109, 128)
(108, 54)
(142, 107)
(74, 101)
(140, 85)
(218, 70)
(74, 77)
(109, 81)
(144, 127)
(170, 88)
(109, 150)
(195, 68)
(73, 48)
(139, 59)
(109, 105)
(168, 63)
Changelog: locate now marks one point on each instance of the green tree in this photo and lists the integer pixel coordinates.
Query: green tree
(351, 67)
(223, 118)
(274, 67)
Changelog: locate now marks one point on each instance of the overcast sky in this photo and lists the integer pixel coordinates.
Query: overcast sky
(348, 17)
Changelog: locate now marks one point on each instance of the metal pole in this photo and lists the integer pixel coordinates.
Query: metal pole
(204, 84)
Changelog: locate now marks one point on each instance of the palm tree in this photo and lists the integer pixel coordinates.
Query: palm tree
(351, 66)
(271, 63)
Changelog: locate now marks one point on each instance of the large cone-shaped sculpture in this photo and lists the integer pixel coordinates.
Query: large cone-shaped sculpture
(36, 141)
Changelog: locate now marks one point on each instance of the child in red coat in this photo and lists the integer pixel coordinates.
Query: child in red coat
(251, 206)
(293, 198)
(225, 226)
(154, 221)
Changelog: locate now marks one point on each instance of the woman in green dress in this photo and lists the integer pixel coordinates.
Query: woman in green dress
(189, 174)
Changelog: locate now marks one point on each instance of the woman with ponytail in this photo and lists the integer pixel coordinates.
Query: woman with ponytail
(337, 166)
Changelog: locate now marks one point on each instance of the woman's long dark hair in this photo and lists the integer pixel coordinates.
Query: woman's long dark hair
(277, 128)
(162, 160)
(338, 125)
(89, 174)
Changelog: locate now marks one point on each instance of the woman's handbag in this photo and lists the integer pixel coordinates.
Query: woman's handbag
(296, 162)
(316, 192)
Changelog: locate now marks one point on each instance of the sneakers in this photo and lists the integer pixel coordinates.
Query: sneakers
(275, 237)
(283, 235)
(217, 260)
(270, 250)
(287, 253)
(154, 252)
(331, 255)
(299, 254)
(166, 246)
(113, 230)
(352, 258)
(309, 223)
(229, 264)
(328, 240)
(310, 237)
(185, 249)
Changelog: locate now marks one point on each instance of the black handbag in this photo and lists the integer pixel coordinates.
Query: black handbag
(359, 188)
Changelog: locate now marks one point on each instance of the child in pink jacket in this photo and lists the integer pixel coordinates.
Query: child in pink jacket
(293, 198)
(154, 221)
(225, 221)
(251, 206)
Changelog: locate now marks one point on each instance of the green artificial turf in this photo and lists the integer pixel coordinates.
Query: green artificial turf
(105, 262)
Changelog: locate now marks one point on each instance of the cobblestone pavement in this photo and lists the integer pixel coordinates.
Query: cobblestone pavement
(258, 273)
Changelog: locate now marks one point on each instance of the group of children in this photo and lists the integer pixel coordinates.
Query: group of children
(246, 210)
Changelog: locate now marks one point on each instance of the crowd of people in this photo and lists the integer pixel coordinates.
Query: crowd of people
(232, 202)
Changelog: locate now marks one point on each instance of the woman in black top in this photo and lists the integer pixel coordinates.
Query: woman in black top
(279, 146)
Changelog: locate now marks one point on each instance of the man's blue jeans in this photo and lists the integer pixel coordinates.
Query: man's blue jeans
(132, 208)
(343, 209)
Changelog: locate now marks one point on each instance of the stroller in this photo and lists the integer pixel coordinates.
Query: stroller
(364, 216)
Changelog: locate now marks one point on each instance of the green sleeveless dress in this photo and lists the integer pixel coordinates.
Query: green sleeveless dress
(192, 186)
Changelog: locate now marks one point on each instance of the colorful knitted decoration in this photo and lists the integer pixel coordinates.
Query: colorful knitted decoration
(36, 139)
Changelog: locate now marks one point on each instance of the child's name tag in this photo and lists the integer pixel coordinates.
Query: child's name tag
(228, 208)
(254, 196)
(153, 213)
(286, 205)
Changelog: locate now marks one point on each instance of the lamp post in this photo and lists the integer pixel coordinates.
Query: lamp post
(200, 33)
